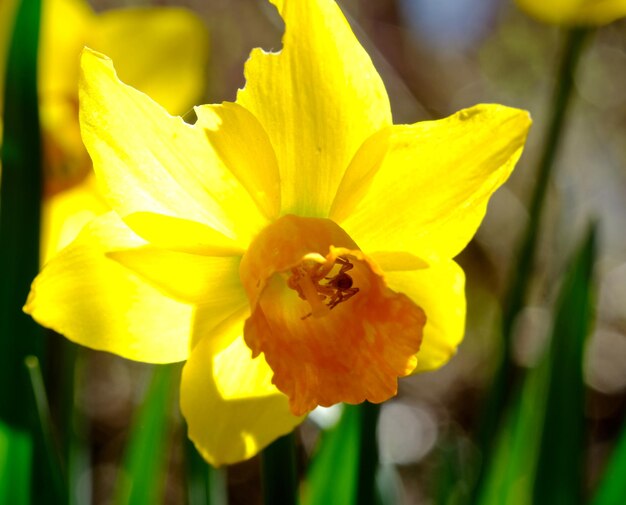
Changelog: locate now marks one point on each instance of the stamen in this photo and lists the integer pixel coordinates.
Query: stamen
(321, 292)
(316, 301)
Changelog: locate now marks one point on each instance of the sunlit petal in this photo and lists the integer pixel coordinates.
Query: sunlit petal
(96, 302)
(65, 214)
(180, 234)
(318, 99)
(240, 140)
(230, 405)
(440, 291)
(163, 52)
(430, 191)
(192, 278)
(149, 161)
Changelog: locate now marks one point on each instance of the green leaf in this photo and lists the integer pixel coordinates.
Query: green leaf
(142, 475)
(16, 454)
(510, 471)
(332, 475)
(278, 471)
(522, 271)
(612, 488)
(454, 466)
(344, 469)
(538, 454)
(20, 202)
(560, 470)
(205, 485)
(368, 492)
(22, 478)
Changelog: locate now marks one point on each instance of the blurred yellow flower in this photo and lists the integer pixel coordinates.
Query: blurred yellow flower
(298, 223)
(575, 12)
(7, 17)
(162, 51)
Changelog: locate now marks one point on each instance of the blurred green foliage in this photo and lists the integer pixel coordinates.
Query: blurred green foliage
(20, 197)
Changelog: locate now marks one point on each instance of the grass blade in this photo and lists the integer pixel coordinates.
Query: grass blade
(22, 478)
(510, 471)
(205, 485)
(560, 469)
(612, 488)
(538, 456)
(142, 476)
(16, 454)
(343, 472)
(504, 378)
(20, 202)
(278, 470)
(367, 492)
(332, 476)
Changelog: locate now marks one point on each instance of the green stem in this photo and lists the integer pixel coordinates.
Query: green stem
(73, 421)
(278, 470)
(526, 257)
(368, 454)
(522, 273)
(205, 485)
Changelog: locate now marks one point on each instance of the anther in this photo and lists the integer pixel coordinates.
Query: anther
(321, 292)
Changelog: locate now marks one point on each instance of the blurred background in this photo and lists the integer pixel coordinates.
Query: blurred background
(435, 58)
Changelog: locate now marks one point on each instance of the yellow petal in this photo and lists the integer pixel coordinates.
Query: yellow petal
(182, 235)
(242, 142)
(162, 52)
(65, 214)
(440, 291)
(65, 26)
(575, 12)
(231, 407)
(318, 99)
(390, 261)
(190, 278)
(429, 193)
(7, 18)
(96, 302)
(149, 161)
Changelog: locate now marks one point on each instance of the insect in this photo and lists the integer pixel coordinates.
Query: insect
(330, 290)
(341, 283)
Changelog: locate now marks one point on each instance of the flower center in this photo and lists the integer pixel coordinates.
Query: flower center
(323, 285)
(329, 327)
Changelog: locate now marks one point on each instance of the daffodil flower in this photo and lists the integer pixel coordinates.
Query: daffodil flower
(295, 247)
(162, 51)
(575, 12)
